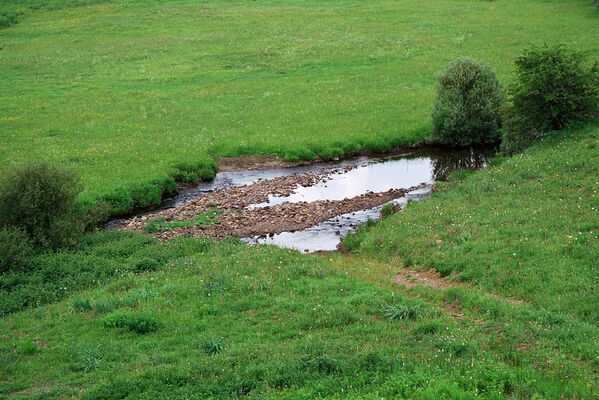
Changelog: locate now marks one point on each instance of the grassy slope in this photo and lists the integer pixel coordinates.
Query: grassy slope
(124, 89)
(527, 228)
(296, 326)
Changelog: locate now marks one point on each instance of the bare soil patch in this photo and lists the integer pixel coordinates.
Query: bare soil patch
(410, 278)
(253, 162)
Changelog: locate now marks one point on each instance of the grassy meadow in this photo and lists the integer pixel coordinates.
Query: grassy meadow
(209, 319)
(126, 92)
(122, 90)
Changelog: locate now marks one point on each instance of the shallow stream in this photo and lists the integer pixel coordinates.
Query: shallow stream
(344, 179)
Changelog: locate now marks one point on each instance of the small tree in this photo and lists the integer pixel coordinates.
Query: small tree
(39, 199)
(554, 86)
(467, 109)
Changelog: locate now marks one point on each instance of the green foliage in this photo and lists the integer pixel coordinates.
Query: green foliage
(331, 153)
(81, 305)
(39, 198)
(141, 195)
(120, 201)
(161, 224)
(189, 172)
(95, 213)
(135, 322)
(401, 311)
(301, 153)
(211, 345)
(8, 18)
(467, 108)
(28, 347)
(87, 356)
(105, 306)
(145, 264)
(15, 249)
(555, 86)
(95, 260)
(320, 93)
(389, 208)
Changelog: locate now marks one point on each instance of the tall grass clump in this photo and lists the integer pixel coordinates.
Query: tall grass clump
(468, 104)
(555, 86)
(40, 199)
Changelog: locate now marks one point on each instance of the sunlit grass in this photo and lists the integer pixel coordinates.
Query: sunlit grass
(123, 90)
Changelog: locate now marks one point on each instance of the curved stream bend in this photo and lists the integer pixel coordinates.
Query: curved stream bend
(308, 208)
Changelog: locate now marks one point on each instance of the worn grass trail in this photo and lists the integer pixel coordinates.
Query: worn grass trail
(122, 90)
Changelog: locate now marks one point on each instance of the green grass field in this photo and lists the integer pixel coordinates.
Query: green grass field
(236, 321)
(123, 89)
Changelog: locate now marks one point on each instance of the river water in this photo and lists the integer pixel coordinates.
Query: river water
(349, 178)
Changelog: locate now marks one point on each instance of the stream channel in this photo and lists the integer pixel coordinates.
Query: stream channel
(414, 172)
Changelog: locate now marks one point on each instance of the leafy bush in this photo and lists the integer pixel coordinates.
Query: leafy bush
(40, 199)
(555, 86)
(137, 323)
(467, 109)
(15, 249)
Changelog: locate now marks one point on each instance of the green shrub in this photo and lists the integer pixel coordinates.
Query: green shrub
(555, 86)
(468, 104)
(95, 214)
(39, 198)
(15, 249)
(137, 323)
